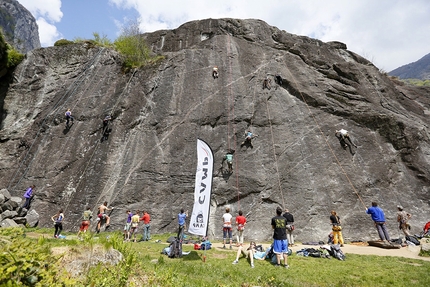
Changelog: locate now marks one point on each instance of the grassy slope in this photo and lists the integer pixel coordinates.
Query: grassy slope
(145, 266)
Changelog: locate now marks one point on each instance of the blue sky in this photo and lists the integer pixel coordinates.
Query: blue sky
(390, 33)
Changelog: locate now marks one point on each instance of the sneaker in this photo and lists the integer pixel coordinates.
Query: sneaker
(223, 247)
(252, 265)
(287, 266)
(341, 245)
(231, 247)
(235, 262)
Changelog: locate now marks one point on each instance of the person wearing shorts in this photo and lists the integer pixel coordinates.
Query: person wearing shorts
(249, 253)
(134, 224)
(127, 226)
(280, 242)
(85, 224)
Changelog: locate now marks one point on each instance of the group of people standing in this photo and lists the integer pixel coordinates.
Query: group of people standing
(132, 224)
(378, 217)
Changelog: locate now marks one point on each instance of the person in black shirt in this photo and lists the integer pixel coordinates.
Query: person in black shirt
(280, 242)
(336, 228)
(290, 227)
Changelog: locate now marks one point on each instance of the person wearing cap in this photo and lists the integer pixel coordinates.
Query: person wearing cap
(378, 217)
(403, 218)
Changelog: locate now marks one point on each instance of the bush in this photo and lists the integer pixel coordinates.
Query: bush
(26, 263)
(118, 275)
(102, 40)
(418, 82)
(13, 57)
(63, 42)
(134, 49)
(132, 45)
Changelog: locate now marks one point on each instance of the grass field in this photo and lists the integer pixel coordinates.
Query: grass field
(144, 265)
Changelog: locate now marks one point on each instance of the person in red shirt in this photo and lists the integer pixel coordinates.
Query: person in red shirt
(240, 222)
(146, 218)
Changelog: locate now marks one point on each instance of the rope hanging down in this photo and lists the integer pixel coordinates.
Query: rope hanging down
(59, 103)
(323, 136)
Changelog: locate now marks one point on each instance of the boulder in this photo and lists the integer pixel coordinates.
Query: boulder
(8, 214)
(21, 211)
(15, 202)
(7, 206)
(8, 223)
(20, 220)
(2, 199)
(32, 218)
(425, 246)
(5, 193)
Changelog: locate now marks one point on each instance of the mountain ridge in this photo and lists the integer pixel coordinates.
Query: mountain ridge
(415, 70)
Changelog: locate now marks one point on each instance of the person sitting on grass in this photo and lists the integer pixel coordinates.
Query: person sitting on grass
(250, 253)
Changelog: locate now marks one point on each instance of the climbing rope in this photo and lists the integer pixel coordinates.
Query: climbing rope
(323, 136)
(94, 151)
(274, 152)
(67, 94)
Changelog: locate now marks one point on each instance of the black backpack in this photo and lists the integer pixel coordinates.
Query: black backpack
(175, 249)
(412, 239)
(336, 252)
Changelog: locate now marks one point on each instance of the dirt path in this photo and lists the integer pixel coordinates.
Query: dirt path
(407, 252)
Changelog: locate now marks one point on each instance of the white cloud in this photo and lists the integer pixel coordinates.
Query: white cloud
(47, 13)
(389, 32)
(50, 33)
(50, 10)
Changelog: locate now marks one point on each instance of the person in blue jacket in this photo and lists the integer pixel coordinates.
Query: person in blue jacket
(378, 217)
(28, 195)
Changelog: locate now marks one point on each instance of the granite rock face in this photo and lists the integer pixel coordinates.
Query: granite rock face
(148, 160)
(19, 26)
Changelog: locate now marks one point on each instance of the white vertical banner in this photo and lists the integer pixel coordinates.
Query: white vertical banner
(202, 190)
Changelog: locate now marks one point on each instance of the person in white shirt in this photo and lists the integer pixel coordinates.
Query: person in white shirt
(226, 227)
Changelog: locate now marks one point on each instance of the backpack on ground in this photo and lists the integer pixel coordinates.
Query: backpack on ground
(175, 249)
(171, 239)
(269, 252)
(397, 241)
(336, 252)
(206, 245)
(412, 239)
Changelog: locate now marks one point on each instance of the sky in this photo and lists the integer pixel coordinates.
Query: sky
(390, 33)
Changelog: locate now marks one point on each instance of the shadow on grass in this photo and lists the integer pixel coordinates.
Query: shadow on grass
(192, 256)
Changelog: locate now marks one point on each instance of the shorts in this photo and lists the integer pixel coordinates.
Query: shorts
(226, 231)
(280, 246)
(84, 225)
(127, 226)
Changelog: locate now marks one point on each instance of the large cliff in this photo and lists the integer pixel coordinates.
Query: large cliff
(19, 26)
(149, 160)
